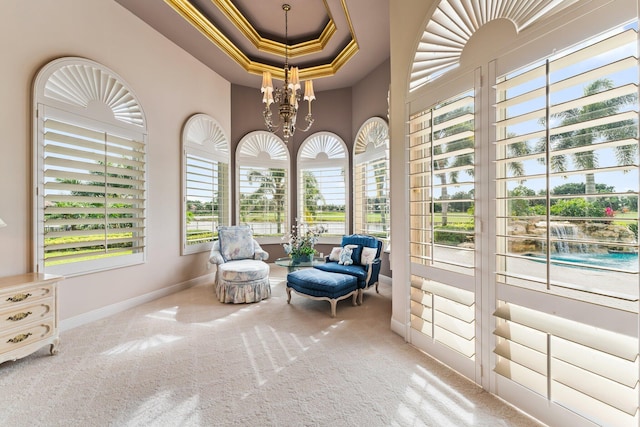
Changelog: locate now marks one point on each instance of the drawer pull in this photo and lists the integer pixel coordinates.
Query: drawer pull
(19, 316)
(18, 298)
(19, 338)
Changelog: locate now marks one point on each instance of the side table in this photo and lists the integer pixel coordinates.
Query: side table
(293, 266)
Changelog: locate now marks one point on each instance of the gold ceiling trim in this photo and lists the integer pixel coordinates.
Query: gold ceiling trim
(202, 24)
(193, 16)
(271, 46)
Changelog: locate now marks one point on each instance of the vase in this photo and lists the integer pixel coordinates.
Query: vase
(298, 259)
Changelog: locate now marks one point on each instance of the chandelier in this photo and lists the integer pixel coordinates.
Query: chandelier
(288, 95)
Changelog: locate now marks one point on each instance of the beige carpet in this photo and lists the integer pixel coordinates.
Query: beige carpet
(188, 360)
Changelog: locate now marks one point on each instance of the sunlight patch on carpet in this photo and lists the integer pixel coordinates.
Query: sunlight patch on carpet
(459, 396)
(142, 344)
(161, 410)
(168, 313)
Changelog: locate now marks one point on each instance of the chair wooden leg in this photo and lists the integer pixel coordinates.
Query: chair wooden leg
(288, 295)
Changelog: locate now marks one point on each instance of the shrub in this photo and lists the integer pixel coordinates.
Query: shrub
(525, 207)
(452, 234)
(577, 208)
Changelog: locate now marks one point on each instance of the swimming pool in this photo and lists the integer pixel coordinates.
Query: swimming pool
(626, 261)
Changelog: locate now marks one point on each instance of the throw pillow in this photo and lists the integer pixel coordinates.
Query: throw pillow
(368, 255)
(335, 254)
(345, 256)
(236, 242)
(356, 253)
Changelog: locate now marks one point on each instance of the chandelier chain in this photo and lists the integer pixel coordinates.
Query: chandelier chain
(286, 8)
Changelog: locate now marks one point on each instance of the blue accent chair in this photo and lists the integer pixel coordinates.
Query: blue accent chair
(366, 274)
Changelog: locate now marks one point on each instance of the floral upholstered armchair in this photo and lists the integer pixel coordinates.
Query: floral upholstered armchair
(242, 275)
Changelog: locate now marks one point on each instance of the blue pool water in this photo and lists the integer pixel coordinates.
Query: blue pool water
(621, 261)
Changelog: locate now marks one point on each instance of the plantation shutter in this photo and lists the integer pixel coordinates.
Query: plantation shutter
(322, 177)
(206, 184)
(571, 119)
(263, 184)
(441, 158)
(371, 180)
(371, 189)
(444, 313)
(587, 138)
(590, 370)
(442, 231)
(89, 174)
(94, 193)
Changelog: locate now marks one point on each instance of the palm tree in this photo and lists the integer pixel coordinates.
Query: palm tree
(591, 134)
(272, 189)
(466, 158)
(312, 196)
(380, 174)
(441, 162)
(517, 149)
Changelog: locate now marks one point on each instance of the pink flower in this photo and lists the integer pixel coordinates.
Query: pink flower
(609, 212)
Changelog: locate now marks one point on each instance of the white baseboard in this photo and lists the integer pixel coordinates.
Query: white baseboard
(385, 279)
(91, 316)
(399, 328)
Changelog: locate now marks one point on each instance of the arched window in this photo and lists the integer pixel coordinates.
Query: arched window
(262, 177)
(323, 182)
(371, 179)
(89, 169)
(205, 189)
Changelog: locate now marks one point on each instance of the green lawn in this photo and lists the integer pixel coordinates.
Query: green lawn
(271, 217)
(92, 253)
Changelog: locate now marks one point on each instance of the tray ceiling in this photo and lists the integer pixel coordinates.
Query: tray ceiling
(334, 42)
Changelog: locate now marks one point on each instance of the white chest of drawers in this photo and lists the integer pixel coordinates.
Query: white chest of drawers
(28, 314)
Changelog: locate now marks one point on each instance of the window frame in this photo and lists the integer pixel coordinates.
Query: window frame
(203, 137)
(317, 144)
(104, 103)
(363, 155)
(550, 88)
(263, 149)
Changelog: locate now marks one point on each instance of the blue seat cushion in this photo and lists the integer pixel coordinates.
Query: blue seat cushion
(320, 283)
(357, 271)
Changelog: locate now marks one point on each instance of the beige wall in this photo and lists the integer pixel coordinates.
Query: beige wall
(331, 111)
(170, 85)
(370, 97)
(341, 111)
(370, 100)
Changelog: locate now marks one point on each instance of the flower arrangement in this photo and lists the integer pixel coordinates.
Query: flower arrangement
(301, 240)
